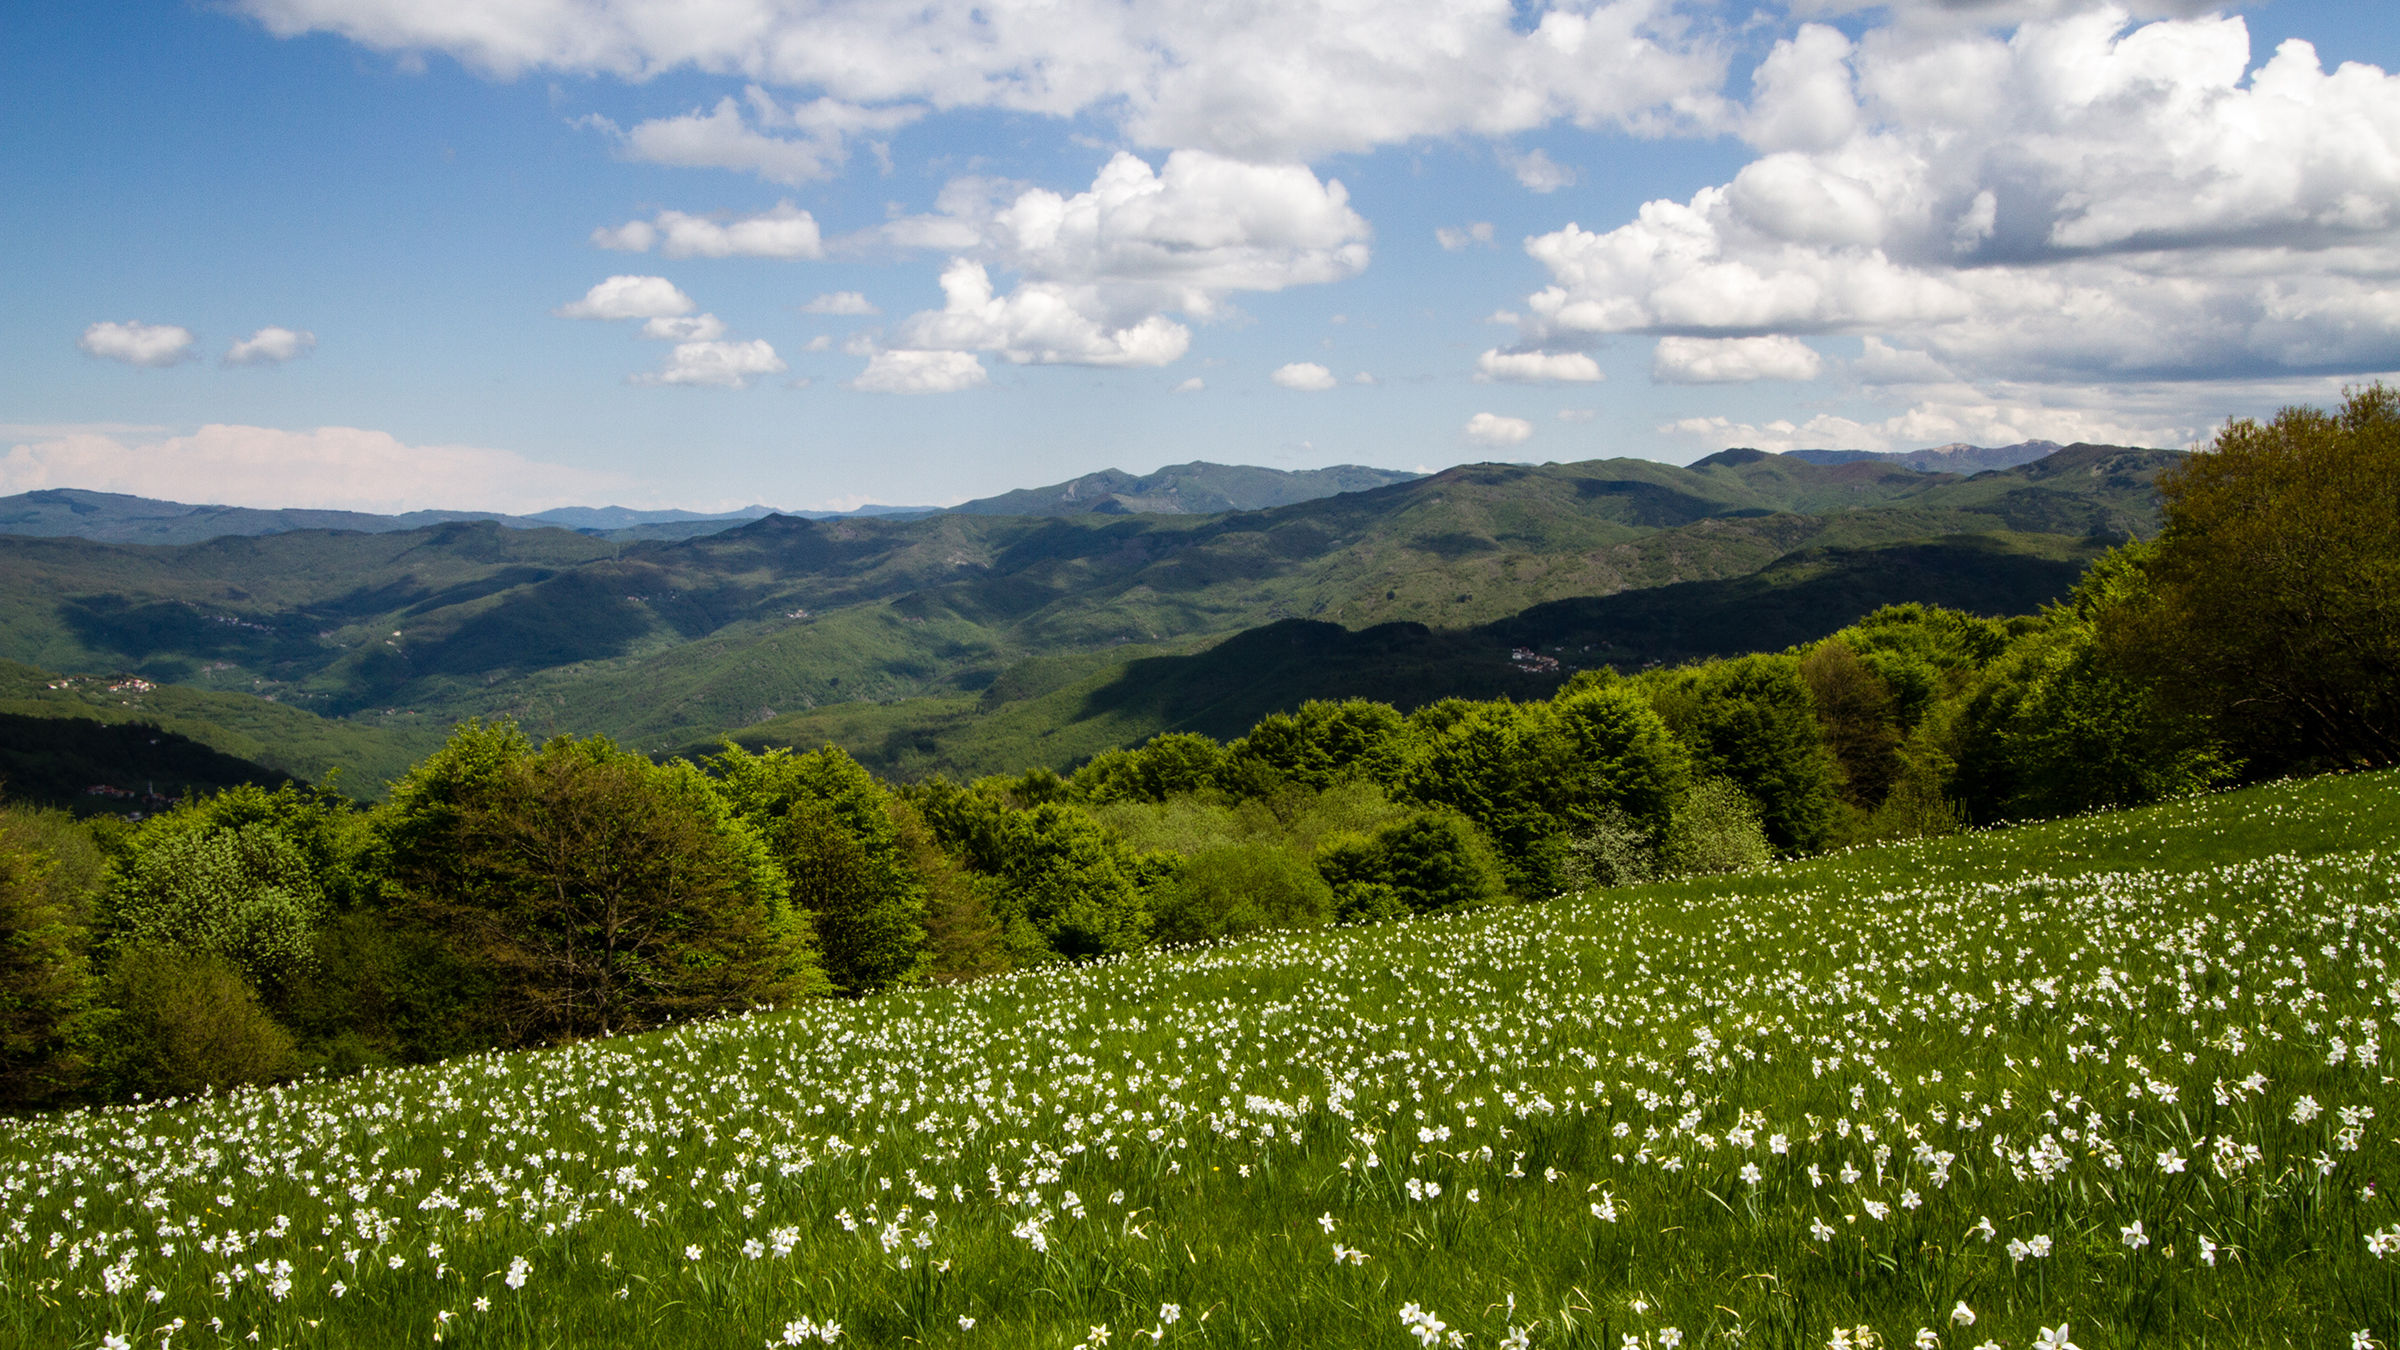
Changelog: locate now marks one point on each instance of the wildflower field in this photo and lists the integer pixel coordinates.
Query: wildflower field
(2109, 1081)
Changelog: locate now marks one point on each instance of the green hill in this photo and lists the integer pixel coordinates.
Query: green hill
(2115, 1077)
(1198, 488)
(1058, 712)
(662, 642)
(86, 766)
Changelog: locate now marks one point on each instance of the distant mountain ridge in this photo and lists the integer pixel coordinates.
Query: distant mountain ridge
(1198, 488)
(120, 518)
(1195, 489)
(1958, 457)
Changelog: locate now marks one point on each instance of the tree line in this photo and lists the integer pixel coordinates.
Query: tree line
(509, 894)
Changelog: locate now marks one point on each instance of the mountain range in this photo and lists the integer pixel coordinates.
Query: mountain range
(959, 639)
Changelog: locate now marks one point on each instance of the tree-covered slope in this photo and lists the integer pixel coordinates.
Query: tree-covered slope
(662, 641)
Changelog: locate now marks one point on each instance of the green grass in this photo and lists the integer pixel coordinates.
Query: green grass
(1642, 1110)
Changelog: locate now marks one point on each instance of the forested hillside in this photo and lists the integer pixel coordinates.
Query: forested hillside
(664, 644)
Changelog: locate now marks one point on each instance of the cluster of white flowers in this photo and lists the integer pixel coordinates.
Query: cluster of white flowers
(1880, 1064)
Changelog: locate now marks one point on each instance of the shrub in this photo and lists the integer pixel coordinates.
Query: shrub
(1233, 889)
(1715, 829)
(1615, 850)
(244, 893)
(1433, 860)
(184, 1021)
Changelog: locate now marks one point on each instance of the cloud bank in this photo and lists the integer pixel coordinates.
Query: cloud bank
(343, 468)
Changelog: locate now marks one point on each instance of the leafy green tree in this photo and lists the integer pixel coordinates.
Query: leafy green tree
(1317, 745)
(584, 891)
(1503, 766)
(1618, 756)
(1859, 717)
(1170, 764)
(245, 894)
(962, 937)
(1070, 885)
(1716, 828)
(1433, 860)
(2272, 596)
(1755, 724)
(970, 823)
(49, 873)
(830, 825)
(2058, 728)
(1927, 655)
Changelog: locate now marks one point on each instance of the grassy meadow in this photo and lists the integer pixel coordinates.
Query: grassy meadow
(2108, 1081)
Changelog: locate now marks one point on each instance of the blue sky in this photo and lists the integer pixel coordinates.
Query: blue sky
(328, 252)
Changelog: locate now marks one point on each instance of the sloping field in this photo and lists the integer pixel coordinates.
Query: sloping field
(2116, 1080)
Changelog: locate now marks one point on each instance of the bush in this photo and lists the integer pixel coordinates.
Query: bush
(1433, 860)
(1615, 850)
(1073, 891)
(244, 893)
(1715, 829)
(182, 1022)
(1233, 889)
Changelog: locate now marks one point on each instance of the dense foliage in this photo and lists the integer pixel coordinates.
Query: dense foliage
(509, 894)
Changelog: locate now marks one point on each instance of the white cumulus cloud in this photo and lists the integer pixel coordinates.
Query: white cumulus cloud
(1257, 79)
(1453, 238)
(1305, 376)
(1690, 360)
(840, 302)
(344, 468)
(1493, 429)
(716, 365)
(785, 232)
(1037, 323)
(920, 372)
(629, 297)
(756, 134)
(271, 347)
(1533, 367)
(1099, 272)
(2078, 200)
(691, 328)
(138, 344)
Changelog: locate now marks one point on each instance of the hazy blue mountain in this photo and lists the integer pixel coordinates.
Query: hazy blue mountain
(1197, 488)
(117, 518)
